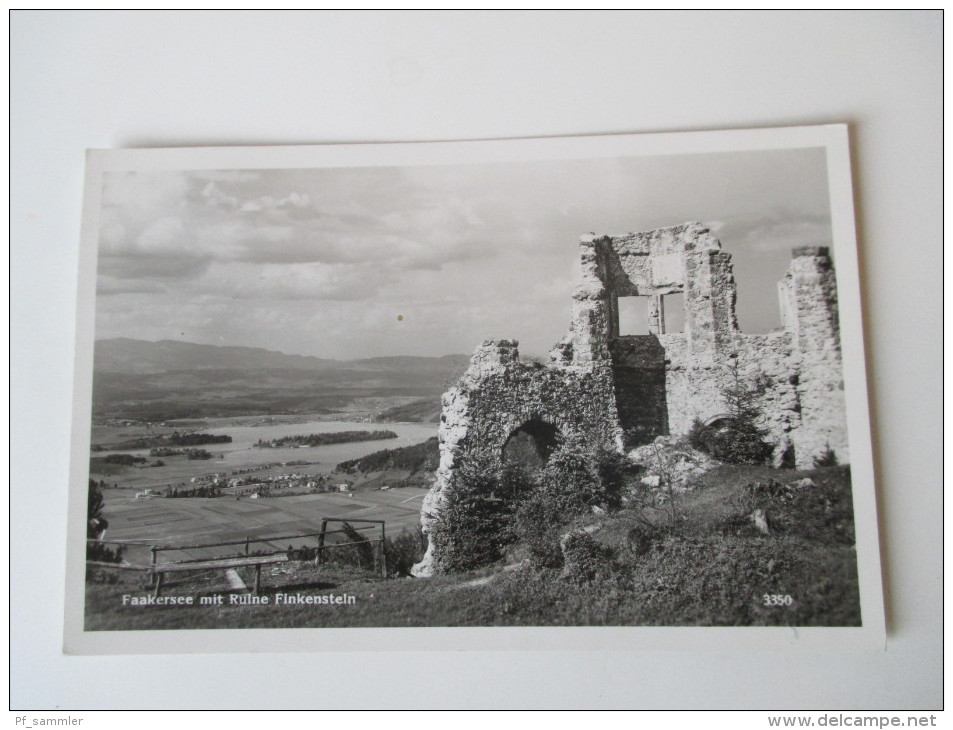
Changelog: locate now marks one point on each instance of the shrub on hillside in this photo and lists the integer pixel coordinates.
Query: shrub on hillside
(615, 472)
(489, 507)
(536, 525)
(731, 441)
(353, 548)
(96, 525)
(361, 550)
(100, 553)
(578, 477)
(304, 553)
(570, 480)
(575, 480)
(404, 551)
(474, 526)
(585, 559)
(826, 458)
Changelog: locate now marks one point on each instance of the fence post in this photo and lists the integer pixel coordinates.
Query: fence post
(319, 558)
(152, 563)
(383, 552)
(247, 538)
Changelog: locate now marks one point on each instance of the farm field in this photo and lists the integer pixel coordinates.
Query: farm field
(185, 521)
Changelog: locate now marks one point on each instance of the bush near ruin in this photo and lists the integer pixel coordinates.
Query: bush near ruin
(492, 508)
(403, 551)
(475, 526)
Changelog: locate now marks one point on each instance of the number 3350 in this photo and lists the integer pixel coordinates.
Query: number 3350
(776, 599)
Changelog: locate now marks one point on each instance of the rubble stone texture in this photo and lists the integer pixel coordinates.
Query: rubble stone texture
(609, 389)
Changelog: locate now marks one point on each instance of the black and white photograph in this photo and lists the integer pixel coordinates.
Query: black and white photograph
(492, 360)
(569, 383)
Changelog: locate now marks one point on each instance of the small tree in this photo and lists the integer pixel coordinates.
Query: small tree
(737, 439)
(825, 458)
(571, 480)
(96, 525)
(585, 559)
(361, 552)
(667, 483)
(474, 526)
(742, 395)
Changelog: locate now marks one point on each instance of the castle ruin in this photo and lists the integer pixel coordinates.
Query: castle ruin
(612, 389)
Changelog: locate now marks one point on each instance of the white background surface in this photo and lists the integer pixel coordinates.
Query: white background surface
(111, 79)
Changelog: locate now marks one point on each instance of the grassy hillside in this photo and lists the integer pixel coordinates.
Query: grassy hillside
(712, 567)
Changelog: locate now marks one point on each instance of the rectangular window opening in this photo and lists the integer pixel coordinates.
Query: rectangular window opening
(633, 316)
(674, 306)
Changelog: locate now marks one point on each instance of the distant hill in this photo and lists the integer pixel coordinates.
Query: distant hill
(425, 410)
(124, 355)
(167, 379)
(423, 457)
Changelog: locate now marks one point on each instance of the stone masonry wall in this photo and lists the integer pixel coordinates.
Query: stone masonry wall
(602, 387)
(661, 387)
(815, 330)
(496, 396)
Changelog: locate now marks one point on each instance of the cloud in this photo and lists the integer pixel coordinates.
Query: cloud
(289, 217)
(214, 197)
(132, 271)
(780, 231)
(166, 235)
(112, 234)
(274, 282)
(110, 286)
(225, 175)
(267, 202)
(136, 194)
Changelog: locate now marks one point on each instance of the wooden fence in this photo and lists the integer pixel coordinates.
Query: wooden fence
(157, 569)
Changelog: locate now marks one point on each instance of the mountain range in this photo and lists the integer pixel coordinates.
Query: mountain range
(169, 379)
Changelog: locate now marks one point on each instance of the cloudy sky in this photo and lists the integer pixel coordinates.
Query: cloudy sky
(427, 260)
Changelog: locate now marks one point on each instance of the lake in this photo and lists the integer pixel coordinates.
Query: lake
(242, 454)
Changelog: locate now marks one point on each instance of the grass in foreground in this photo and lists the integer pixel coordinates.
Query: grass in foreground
(712, 568)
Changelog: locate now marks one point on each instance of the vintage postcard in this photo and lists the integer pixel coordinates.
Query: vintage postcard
(596, 392)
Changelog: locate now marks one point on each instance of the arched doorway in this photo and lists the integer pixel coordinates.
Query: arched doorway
(531, 444)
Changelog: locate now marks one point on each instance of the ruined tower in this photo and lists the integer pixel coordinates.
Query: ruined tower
(620, 390)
